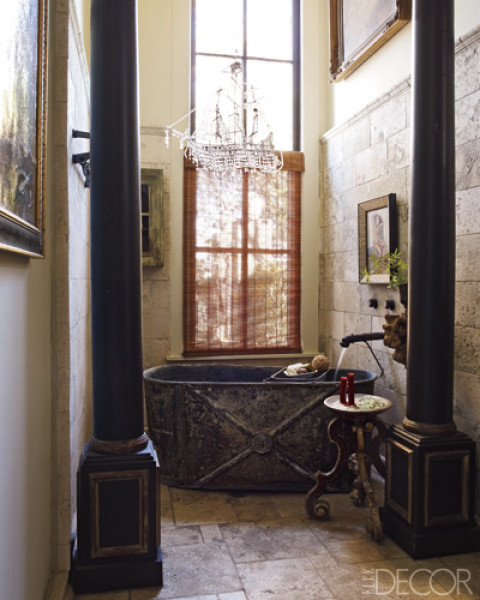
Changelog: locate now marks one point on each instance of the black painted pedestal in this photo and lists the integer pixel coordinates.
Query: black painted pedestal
(429, 493)
(118, 543)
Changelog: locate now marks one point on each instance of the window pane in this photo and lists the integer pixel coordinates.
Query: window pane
(219, 26)
(268, 285)
(268, 223)
(243, 298)
(212, 73)
(270, 29)
(274, 82)
(219, 210)
(218, 284)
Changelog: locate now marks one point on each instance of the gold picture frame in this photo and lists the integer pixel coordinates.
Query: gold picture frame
(23, 127)
(377, 235)
(359, 27)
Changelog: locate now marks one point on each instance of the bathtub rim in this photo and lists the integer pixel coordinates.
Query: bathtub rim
(148, 375)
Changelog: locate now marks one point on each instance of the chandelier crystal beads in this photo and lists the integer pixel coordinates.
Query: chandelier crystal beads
(233, 133)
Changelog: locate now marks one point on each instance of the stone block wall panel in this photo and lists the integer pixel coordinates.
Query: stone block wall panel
(71, 278)
(368, 157)
(156, 280)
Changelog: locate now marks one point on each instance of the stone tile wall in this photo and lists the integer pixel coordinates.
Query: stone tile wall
(368, 157)
(156, 280)
(71, 276)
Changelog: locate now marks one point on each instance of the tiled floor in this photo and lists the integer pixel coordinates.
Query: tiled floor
(263, 546)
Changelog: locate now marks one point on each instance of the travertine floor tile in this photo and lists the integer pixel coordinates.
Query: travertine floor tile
(211, 533)
(289, 505)
(190, 571)
(390, 549)
(146, 594)
(121, 595)
(255, 507)
(466, 558)
(227, 596)
(460, 579)
(199, 507)
(288, 579)
(354, 551)
(269, 540)
(209, 597)
(166, 506)
(224, 546)
(344, 524)
(391, 580)
(181, 536)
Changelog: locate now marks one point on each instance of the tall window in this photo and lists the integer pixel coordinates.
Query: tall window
(242, 230)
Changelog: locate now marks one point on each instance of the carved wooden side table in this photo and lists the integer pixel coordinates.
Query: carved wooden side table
(362, 418)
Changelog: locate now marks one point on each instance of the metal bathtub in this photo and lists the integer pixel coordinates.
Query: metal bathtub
(237, 428)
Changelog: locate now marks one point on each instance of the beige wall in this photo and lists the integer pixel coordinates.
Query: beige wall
(44, 347)
(25, 429)
(25, 416)
(389, 65)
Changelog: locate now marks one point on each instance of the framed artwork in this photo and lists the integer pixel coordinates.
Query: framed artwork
(377, 237)
(359, 27)
(152, 217)
(23, 104)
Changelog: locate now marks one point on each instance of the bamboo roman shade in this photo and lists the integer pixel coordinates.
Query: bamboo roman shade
(242, 260)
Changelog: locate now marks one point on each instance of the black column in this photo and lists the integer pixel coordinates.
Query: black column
(118, 478)
(431, 304)
(430, 467)
(115, 223)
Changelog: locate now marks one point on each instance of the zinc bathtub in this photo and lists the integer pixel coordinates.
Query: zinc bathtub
(235, 428)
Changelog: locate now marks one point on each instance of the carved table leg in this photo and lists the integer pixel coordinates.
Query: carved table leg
(373, 525)
(358, 490)
(367, 451)
(321, 508)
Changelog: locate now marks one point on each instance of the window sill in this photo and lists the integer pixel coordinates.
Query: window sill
(245, 359)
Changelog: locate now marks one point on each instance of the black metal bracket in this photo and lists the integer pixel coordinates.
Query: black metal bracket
(390, 304)
(76, 133)
(83, 158)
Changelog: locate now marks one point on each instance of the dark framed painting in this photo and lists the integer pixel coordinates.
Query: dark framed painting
(23, 104)
(359, 27)
(377, 237)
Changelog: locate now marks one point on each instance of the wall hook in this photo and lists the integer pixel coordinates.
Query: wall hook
(373, 303)
(83, 158)
(390, 304)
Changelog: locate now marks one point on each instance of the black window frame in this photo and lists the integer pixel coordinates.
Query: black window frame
(243, 58)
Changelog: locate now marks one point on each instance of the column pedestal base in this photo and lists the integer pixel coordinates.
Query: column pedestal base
(118, 543)
(419, 545)
(121, 575)
(429, 493)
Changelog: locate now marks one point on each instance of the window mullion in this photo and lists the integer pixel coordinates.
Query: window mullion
(244, 255)
(296, 75)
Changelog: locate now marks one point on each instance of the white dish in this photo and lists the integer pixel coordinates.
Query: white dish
(364, 403)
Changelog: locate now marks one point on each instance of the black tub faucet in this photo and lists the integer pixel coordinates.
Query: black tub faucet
(360, 337)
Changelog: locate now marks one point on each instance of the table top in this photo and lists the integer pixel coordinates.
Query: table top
(365, 404)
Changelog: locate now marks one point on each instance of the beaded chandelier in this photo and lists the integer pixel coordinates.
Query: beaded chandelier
(233, 133)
